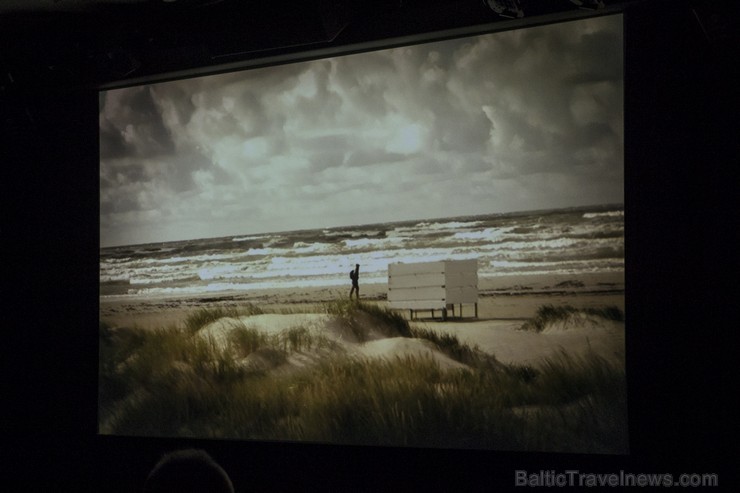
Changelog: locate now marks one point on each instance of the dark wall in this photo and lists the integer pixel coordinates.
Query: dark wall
(680, 201)
(679, 220)
(681, 198)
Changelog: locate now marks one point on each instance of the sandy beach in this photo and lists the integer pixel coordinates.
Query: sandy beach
(504, 304)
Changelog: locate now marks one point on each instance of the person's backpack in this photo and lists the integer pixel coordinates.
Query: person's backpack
(352, 275)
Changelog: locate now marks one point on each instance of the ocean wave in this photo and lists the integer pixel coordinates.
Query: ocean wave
(206, 257)
(161, 279)
(301, 248)
(449, 225)
(247, 238)
(431, 227)
(572, 241)
(375, 243)
(219, 271)
(546, 244)
(115, 260)
(489, 234)
(505, 267)
(114, 278)
(593, 215)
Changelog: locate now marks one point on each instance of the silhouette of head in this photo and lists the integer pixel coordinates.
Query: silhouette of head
(188, 471)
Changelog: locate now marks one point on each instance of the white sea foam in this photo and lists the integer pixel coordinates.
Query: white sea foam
(115, 277)
(592, 215)
(248, 238)
(490, 234)
(447, 225)
(301, 248)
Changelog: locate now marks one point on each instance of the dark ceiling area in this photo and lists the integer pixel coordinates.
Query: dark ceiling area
(98, 42)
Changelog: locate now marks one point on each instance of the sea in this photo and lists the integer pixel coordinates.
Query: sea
(559, 241)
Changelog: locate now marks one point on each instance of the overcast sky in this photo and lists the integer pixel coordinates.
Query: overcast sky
(519, 120)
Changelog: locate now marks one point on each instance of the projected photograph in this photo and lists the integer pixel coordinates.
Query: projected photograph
(418, 246)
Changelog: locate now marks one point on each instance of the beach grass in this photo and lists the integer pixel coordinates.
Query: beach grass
(450, 345)
(359, 320)
(203, 316)
(548, 314)
(175, 382)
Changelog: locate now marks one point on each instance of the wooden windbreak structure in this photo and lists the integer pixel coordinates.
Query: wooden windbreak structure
(431, 286)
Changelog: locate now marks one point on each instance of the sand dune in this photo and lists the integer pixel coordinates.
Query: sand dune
(318, 323)
(402, 346)
(510, 344)
(503, 339)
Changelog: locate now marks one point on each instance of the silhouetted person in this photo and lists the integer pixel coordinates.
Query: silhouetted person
(188, 471)
(355, 276)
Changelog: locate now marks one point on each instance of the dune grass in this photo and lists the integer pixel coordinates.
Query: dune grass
(549, 314)
(359, 320)
(204, 316)
(174, 382)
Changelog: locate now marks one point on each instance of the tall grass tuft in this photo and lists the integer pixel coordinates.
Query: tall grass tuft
(204, 316)
(577, 402)
(390, 323)
(246, 340)
(549, 314)
(296, 339)
(450, 345)
(115, 348)
(359, 320)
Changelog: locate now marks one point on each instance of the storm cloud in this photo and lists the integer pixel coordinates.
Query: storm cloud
(517, 120)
